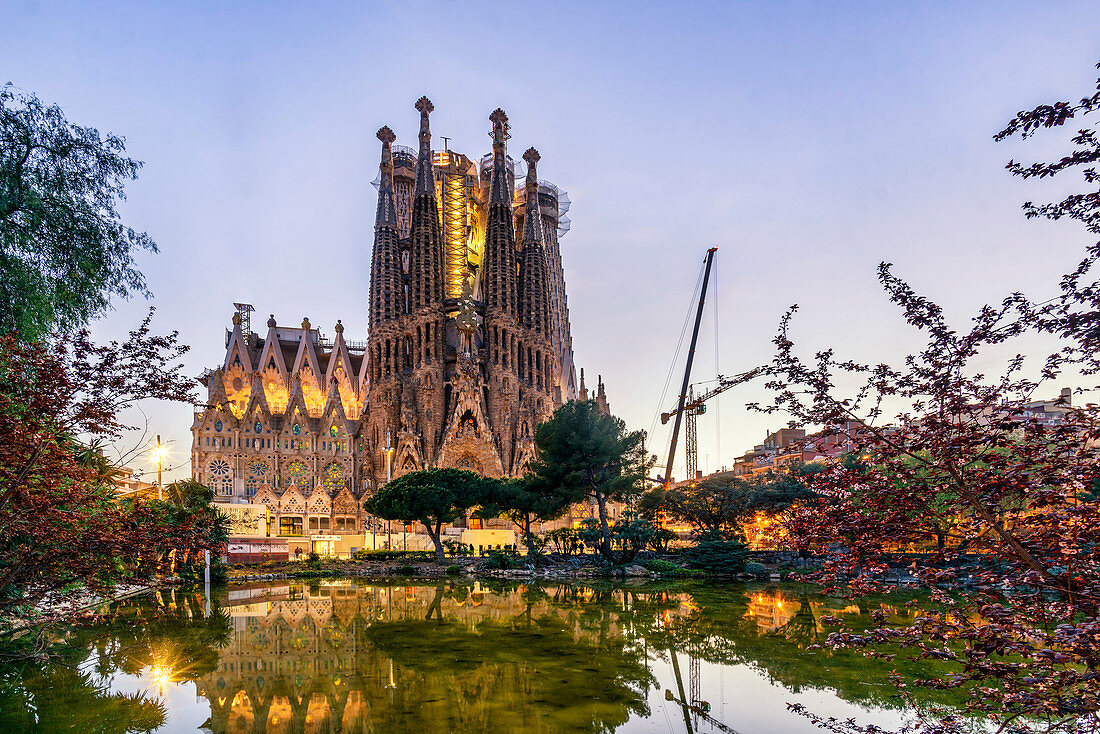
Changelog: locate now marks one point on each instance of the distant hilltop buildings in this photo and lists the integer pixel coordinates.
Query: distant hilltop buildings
(468, 347)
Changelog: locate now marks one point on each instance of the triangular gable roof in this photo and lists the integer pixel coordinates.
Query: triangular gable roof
(271, 351)
(238, 347)
(334, 410)
(292, 500)
(345, 502)
(307, 354)
(257, 402)
(319, 502)
(340, 356)
(297, 401)
(266, 496)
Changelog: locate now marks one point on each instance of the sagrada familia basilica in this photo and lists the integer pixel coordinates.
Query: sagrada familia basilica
(468, 346)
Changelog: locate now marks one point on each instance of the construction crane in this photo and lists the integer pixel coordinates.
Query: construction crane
(708, 261)
(695, 406)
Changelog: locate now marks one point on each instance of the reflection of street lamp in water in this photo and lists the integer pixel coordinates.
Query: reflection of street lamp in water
(162, 675)
(389, 452)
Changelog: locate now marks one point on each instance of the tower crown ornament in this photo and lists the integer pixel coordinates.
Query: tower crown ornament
(305, 323)
(424, 106)
(385, 134)
(339, 326)
(500, 133)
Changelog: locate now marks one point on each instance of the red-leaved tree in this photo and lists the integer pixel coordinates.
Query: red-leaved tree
(1002, 498)
(60, 524)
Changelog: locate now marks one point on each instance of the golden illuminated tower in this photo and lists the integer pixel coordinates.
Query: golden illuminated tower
(458, 195)
(474, 357)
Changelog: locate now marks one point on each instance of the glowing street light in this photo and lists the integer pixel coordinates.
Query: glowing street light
(158, 454)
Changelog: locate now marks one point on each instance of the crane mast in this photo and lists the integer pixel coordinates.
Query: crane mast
(708, 262)
(696, 406)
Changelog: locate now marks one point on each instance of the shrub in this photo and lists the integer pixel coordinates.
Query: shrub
(658, 566)
(407, 570)
(564, 540)
(756, 569)
(503, 560)
(392, 555)
(631, 534)
(454, 548)
(716, 554)
(454, 570)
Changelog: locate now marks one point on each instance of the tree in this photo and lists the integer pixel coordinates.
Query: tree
(965, 458)
(64, 251)
(432, 497)
(515, 499)
(61, 523)
(584, 453)
(720, 503)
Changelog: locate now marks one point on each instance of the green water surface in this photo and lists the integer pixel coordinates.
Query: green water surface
(459, 656)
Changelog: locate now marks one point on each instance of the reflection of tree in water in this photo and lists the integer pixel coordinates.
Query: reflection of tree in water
(69, 689)
(770, 630)
(454, 656)
(509, 677)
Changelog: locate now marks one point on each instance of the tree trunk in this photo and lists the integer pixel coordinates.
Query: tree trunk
(531, 552)
(605, 545)
(433, 533)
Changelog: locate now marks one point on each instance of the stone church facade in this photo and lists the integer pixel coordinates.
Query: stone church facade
(468, 347)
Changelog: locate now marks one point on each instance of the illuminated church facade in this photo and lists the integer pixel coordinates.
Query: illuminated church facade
(468, 346)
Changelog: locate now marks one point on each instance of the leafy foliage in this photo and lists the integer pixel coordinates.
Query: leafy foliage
(524, 506)
(1007, 497)
(716, 553)
(62, 525)
(585, 454)
(631, 534)
(432, 497)
(64, 251)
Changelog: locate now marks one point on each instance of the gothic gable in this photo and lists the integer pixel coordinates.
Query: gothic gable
(319, 503)
(292, 502)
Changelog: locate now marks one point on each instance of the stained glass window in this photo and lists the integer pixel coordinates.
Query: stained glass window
(257, 475)
(259, 427)
(296, 473)
(334, 431)
(218, 426)
(221, 477)
(297, 429)
(334, 477)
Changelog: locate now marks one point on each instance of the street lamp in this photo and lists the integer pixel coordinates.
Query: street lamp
(158, 454)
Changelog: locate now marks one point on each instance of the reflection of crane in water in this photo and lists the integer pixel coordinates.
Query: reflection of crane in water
(693, 707)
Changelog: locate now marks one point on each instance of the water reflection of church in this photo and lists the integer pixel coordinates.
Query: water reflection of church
(305, 659)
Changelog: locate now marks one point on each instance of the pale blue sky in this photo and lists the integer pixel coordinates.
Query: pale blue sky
(807, 140)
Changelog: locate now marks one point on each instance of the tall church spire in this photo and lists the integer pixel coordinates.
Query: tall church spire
(387, 210)
(425, 180)
(426, 252)
(498, 186)
(534, 287)
(386, 293)
(499, 275)
(532, 218)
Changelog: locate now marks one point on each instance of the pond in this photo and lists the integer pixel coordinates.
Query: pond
(417, 656)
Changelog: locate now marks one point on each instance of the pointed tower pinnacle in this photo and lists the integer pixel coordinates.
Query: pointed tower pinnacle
(425, 180)
(534, 286)
(498, 188)
(387, 210)
(532, 218)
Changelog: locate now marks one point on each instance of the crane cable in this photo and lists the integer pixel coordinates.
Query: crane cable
(692, 304)
(717, 310)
